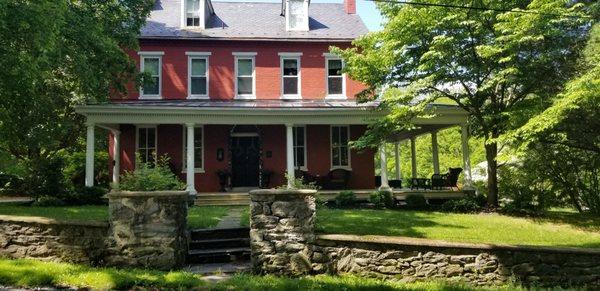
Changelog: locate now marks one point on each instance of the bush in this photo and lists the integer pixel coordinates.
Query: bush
(463, 205)
(151, 177)
(416, 201)
(11, 185)
(74, 168)
(381, 199)
(345, 199)
(299, 183)
(87, 196)
(46, 201)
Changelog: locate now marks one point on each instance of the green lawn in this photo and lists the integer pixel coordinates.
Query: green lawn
(31, 273)
(555, 229)
(198, 216)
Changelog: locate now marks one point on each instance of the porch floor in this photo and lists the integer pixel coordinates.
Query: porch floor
(243, 198)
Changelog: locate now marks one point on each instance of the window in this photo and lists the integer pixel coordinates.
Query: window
(340, 152)
(192, 12)
(198, 149)
(299, 147)
(146, 144)
(151, 64)
(244, 74)
(297, 15)
(335, 78)
(290, 74)
(198, 75)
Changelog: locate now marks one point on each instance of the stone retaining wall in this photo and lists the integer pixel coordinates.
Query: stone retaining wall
(418, 259)
(52, 240)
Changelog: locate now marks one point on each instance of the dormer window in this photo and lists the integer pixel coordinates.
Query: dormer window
(296, 15)
(192, 12)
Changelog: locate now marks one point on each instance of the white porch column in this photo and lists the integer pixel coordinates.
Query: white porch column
(117, 158)
(190, 172)
(397, 160)
(466, 154)
(413, 156)
(289, 128)
(89, 156)
(383, 163)
(435, 153)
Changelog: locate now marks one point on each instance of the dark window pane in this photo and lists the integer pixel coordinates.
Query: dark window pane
(300, 136)
(335, 155)
(344, 135)
(335, 135)
(300, 157)
(334, 68)
(198, 158)
(334, 85)
(343, 156)
(244, 85)
(290, 85)
(197, 137)
(151, 156)
(151, 137)
(245, 67)
(151, 86)
(142, 138)
(198, 85)
(198, 67)
(290, 67)
(151, 66)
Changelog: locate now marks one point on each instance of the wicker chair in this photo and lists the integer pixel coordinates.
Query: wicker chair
(336, 180)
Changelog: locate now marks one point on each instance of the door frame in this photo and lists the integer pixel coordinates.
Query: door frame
(256, 133)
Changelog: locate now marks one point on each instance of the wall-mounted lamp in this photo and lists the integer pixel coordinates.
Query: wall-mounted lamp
(220, 154)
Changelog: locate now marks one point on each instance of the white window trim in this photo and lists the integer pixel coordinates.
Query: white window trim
(305, 25)
(291, 56)
(349, 166)
(201, 11)
(328, 57)
(245, 55)
(305, 167)
(137, 139)
(198, 56)
(183, 147)
(143, 56)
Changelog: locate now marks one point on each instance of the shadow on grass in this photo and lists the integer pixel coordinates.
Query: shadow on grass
(376, 222)
(582, 221)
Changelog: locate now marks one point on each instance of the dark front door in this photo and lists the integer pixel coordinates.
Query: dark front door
(244, 161)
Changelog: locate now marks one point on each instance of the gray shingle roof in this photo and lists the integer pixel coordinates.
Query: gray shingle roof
(254, 20)
(259, 103)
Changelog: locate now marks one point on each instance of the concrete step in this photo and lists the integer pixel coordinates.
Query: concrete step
(219, 243)
(214, 233)
(222, 203)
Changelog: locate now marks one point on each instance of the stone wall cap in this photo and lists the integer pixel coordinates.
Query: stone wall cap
(283, 192)
(126, 194)
(50, 221)
(420, 242)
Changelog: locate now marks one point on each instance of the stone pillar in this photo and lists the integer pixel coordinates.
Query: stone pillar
(282, 230)
(290, 155)
(89, 155)
(435, 153)
(117, 159)
(147, 229)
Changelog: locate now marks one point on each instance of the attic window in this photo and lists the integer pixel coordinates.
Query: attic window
(192, 12)
(297, 15)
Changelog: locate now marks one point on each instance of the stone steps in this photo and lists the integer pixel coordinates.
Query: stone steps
(223, 199)
(218, 245)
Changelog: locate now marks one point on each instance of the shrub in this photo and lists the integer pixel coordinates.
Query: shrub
(299, 183)
(11, 185)
(151, 177)
(463, 205)
(345, 199)
(416, 201)
(382, 199)
(87, 196)
(74, 168)
(46, 201)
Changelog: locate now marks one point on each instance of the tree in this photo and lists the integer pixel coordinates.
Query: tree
(498, 66)
(55, 54)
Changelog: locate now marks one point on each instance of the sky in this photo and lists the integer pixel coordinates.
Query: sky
(366, 9)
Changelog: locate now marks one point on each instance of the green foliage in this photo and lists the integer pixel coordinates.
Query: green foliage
(416, 201)
(464, 205)
(345, 199)
(74, 168)
(45, 201)
(151, 177)
(500, 67)
(381, 199)
(11, 185)
(299, 183)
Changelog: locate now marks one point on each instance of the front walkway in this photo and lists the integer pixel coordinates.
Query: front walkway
(231, 220)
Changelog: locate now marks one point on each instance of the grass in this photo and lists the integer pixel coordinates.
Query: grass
(557, 229)
(198, 216)
(31, 274)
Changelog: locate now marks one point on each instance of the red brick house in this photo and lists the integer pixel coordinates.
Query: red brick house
(242, 88)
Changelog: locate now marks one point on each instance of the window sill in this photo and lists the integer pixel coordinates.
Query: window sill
(291, 97)
(336, 97)
(202, 97)
(150, 97)
(245, 97)
(343, 168)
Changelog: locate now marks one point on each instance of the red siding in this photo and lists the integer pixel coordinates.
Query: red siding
(221, 67)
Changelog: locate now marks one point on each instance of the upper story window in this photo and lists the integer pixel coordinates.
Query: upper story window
(245, 83)
(335, 78)
(299, 133)
(290, 75)
(146, 144)
(198, 74)
(151, 64)
(340, 151)
(297, 15)
(192, 12)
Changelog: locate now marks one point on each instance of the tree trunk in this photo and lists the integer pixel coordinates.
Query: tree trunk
(491, 152)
